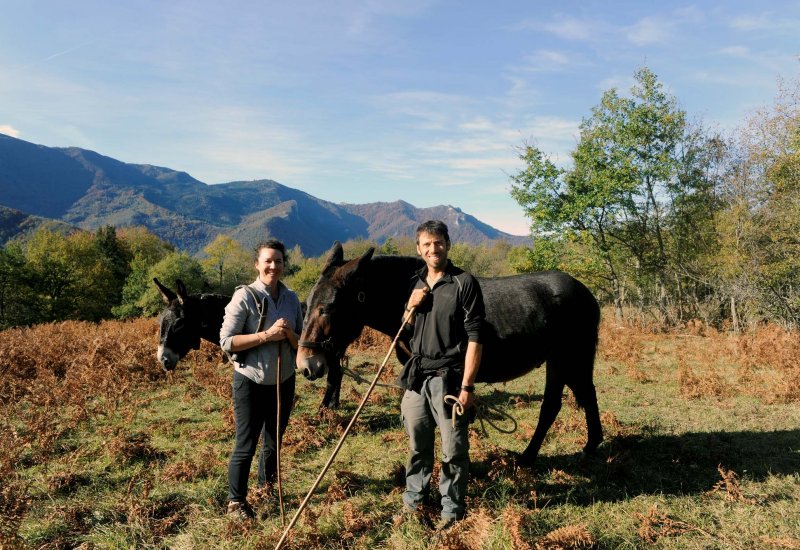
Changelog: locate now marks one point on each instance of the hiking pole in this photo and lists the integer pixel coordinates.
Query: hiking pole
(344, 435)
(278, 435)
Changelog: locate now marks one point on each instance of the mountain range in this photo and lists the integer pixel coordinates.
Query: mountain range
(81, 188)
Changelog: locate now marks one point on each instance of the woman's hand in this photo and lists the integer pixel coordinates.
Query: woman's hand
(280, 330)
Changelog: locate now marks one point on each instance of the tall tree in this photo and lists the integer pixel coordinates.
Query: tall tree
(175, 265)
(147, 249)
(227, 263)
(622, 193)
(14, 287)
(117, 257)
(758, 262)
(69, 276)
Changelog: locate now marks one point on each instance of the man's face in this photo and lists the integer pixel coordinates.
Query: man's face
(433, 249)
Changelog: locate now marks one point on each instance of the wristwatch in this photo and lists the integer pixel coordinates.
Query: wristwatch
(468, 389)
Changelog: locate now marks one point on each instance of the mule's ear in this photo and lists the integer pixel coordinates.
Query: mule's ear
(335, 256)
(366, 256)
(353, 266)
(181, 288)
(166, 294)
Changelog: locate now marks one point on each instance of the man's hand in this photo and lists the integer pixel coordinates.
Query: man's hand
(418, 296)
(466, 398)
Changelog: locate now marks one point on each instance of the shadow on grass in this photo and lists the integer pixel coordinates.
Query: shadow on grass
(687, 464)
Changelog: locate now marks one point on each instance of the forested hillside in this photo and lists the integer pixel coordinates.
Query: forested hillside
(88, 190)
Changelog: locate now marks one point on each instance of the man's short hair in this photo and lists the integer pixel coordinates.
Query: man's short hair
(434, 227)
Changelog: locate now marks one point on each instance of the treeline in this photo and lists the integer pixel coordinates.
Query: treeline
(669, 221)
(56, 276)
(662, 218)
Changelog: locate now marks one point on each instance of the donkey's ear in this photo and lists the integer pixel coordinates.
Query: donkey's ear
(335, 256)
(181, 288)
(166, 294)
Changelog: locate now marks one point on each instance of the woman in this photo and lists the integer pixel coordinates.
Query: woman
(259, 356)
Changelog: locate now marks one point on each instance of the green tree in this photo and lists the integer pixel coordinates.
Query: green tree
(144, 245)
(305, 275)
(70, 278)
(176, 265)
(295, 259)
(117, 258)
(15, 292)
(622, 193)
(357, 247)
(388, 248)
(146, 249)
(227, 264)
(758, 260)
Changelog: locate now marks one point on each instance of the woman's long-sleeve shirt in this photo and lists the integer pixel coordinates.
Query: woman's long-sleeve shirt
(260, 363)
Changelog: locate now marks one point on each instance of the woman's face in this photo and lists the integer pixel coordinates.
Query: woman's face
(270, 266)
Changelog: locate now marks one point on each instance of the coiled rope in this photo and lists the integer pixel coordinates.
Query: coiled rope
(484, 410)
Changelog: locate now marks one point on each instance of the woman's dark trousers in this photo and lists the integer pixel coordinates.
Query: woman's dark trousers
(254, 408)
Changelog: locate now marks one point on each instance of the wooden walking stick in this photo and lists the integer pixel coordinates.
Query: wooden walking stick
(278, 435)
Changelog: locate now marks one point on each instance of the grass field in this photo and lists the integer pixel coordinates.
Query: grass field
(100, 449)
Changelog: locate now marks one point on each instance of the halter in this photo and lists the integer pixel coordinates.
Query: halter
(326, 346)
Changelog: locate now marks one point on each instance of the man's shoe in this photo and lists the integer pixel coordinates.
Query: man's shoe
(240, 510)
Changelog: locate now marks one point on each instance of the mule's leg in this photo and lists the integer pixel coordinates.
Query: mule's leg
(334, 384)
(580, 379)
(586, 397)
(551, 404)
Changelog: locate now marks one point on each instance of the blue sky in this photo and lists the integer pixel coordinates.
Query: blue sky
(364, 101)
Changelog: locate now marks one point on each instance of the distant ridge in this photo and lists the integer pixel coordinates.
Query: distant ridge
(85, 189)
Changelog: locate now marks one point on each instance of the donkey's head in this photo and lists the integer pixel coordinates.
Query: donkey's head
(179, 325)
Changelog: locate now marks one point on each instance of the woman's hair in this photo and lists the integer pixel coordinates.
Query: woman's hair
(274, 244)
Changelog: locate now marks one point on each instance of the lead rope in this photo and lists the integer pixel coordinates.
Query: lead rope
(483, 409)
(344, 435)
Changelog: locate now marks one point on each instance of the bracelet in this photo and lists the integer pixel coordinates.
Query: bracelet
(468, 389)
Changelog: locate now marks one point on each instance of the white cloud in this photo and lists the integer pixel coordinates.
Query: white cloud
(9, 130)
(776, 62)
(649, 30)
(425, 110)
(768, 21)
(363, 15)
(571, 28)
(620, 83)
(545, 60)
(554, 127)
(735, 51)
(476, 124)
(693, 14)
(752, 22)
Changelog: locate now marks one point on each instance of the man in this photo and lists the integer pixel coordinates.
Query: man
(445, 312)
